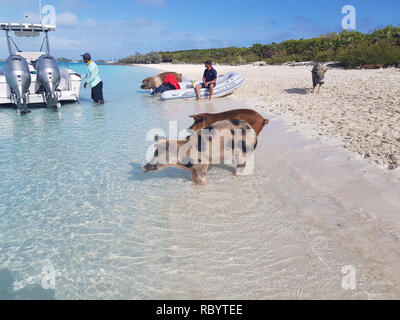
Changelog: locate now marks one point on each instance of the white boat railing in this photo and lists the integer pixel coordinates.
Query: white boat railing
(27, 27)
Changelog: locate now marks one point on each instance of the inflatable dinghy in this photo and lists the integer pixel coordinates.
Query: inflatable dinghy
(226, 84)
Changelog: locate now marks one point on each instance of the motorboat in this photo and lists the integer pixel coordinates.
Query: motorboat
(226, 84)
(34, 78)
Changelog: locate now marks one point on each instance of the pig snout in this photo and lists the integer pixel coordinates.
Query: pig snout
(149, 167)
(317, 79)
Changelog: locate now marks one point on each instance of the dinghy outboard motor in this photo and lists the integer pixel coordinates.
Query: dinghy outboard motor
(48, 76)
(18, 78)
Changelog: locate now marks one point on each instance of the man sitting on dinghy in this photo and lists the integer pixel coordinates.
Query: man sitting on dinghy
(209, 79)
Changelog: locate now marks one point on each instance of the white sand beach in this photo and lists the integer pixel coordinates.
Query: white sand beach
(360, 107)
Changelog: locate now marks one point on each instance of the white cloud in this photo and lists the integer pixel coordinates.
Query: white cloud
(108, 39)
(90, 23)
(65, 44)
(31, 17)
(67, 19)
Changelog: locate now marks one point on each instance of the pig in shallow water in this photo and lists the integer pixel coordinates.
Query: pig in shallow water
(256, 121)
(156, 81)
(229, 142)
(318, 75)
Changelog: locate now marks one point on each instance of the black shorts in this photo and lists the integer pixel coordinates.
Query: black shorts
(97, 92)
(203, 85)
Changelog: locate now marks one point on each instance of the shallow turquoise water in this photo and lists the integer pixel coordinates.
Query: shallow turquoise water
(65, 175)
(73, 199)
(73, 196)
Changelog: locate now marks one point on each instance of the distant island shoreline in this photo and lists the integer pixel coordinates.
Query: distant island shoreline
(351, 49)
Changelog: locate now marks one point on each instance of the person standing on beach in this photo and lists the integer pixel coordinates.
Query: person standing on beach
(93, 79)
(209, 80)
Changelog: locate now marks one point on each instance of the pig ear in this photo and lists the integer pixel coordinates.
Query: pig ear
(197, 118)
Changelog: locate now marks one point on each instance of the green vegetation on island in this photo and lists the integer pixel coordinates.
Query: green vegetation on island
(149, 58)
(62, 59)
(380, 48)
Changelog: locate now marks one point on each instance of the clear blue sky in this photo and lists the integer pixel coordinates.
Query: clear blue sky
(117, 28)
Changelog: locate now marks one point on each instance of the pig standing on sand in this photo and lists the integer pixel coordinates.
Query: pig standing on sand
(318, 75)
(229, 142)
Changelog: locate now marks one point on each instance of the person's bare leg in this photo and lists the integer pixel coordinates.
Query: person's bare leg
(198, 87)
(211, 90)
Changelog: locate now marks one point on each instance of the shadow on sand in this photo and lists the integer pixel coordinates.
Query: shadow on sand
(30, 292)
(137, 174)
(297, 91)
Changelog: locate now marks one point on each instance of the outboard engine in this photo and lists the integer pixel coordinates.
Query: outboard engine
(48, 76)
(18, 78)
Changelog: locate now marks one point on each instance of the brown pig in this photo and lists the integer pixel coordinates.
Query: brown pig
(318, 75)
(228, 141)
(256, 121)
(156, 81)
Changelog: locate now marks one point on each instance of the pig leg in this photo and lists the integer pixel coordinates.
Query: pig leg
(245, 168)
(239, 169)
(201, 171)
(315, 81)
(195, 177)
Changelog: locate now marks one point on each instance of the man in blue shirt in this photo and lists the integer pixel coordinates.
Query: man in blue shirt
(209, 80)
(93, 79)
